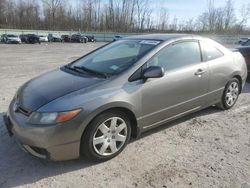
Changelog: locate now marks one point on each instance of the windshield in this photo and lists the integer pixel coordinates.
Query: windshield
(116, 57)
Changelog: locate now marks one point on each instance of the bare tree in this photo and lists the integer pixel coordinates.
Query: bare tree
(220, 20)
(111, 17)
(117, 16)
(2, 13)
(131, 23)
(202, 22)
(27, 14)
(163, 19)
(10, 15)
(174, 24)
(51, 6)
(143, 10)
(244, 15)
(217, 19)
(211, 15)
(229, 14)
(188, 26)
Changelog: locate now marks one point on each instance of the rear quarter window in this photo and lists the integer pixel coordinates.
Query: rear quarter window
(210, 52)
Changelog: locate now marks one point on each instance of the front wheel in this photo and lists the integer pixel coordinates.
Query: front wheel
(230, 94)
(106, 136)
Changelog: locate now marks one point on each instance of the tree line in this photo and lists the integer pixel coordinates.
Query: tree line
(118, 16)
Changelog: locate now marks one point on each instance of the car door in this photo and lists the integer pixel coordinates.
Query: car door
(183, 87)
(219, 70)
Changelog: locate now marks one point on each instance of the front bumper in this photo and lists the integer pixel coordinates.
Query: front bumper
(13, 42)
(55, 142)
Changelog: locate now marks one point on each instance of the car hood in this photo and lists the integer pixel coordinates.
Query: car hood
(50, 86)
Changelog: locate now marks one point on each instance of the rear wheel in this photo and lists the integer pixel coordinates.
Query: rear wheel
(106, 136)
(230, 94)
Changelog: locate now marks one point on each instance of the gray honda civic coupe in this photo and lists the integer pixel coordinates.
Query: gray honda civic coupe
(96, 104)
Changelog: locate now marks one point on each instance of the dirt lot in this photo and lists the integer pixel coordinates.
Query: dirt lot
(207, 149)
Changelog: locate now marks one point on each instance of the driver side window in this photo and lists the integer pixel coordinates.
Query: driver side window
(177, 55)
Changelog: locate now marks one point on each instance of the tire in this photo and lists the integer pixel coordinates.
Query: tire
(108, 144)
(231, 93)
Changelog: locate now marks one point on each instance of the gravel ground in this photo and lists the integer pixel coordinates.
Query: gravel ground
(210, 148)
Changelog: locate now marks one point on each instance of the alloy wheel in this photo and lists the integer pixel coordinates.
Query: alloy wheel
(110, 136)
(232, 93)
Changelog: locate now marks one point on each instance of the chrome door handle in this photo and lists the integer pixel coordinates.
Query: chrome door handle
(200, 72)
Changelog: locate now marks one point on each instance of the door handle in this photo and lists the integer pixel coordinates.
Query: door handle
(200, 72)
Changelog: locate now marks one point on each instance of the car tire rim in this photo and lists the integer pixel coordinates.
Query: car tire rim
(232, 93)
(110, 136)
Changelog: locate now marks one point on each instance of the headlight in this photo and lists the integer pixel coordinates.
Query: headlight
(52, 118)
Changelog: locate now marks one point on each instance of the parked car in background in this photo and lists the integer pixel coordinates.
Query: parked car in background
(29, 38)
(66, 38)
(242, 40)
(94, 105)
(117, 37)
(245, 51)
(32, 39)
(246, 43)
(1, 39)
(54, 37)
(91, 38)
(78, 38)
(23, 38)
(10, 39)
(43, 38)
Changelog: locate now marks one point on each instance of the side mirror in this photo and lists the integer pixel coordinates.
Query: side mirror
(153, 72)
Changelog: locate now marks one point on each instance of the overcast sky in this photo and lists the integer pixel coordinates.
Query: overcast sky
(185, 9)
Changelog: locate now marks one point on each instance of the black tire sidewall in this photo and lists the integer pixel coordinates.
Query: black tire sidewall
(224, 103)
(87, 148)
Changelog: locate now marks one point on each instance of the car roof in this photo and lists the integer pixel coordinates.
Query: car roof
(162, 37)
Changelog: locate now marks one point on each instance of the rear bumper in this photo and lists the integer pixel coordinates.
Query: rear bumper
(56, 142)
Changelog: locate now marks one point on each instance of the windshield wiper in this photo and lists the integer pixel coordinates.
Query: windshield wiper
(71, 68)
(97, 73)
